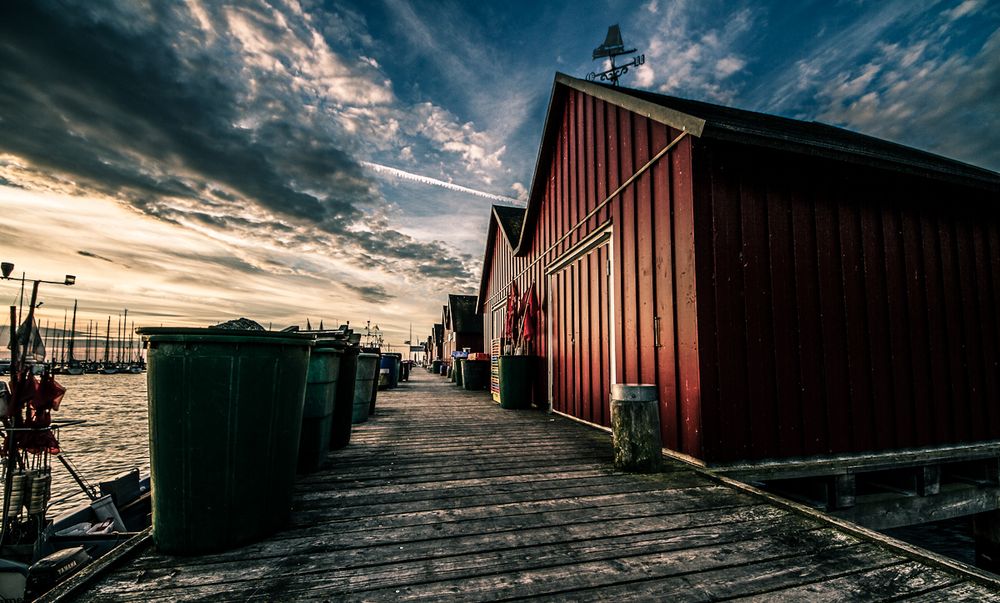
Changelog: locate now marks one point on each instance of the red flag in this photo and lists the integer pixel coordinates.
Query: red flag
(511, 323)
(530, 305)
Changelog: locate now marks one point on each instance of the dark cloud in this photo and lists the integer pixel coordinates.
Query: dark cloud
(90, 254)
(131, 104)
(370, 293)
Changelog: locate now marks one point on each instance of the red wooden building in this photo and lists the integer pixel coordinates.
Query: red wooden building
(436, 341)
(793, 289)
(462, 325)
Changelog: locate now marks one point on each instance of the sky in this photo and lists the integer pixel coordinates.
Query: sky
(197, 161)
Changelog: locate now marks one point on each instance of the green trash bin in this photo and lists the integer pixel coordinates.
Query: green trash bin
(459, 363)
(367, 370)
(317, 414)
(375, 383)
(343, 408)
(475, 374)
(515, 381)
(225, 414)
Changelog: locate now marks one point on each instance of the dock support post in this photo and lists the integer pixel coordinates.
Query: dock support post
(929, 480)
(986, 527)
(635, 428)
(842, 491)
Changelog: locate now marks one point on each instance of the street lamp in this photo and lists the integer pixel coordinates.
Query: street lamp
(6, 268)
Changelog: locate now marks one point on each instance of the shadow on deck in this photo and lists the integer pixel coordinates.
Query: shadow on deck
(442, 495)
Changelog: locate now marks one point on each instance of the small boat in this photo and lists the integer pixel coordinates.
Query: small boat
(72, 540)
(37, 552)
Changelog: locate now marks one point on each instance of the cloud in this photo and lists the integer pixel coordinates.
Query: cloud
(687, 55)
(920, 92)
(88, 254)
(216, 118)
(370, 293)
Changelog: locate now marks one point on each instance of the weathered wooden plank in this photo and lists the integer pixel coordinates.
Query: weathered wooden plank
(966, 592)
(760, 575)
(485, 497)
(627, 568)
(336, 571)
(883, 583)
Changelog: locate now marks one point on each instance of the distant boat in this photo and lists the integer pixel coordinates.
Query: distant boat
(108, 369)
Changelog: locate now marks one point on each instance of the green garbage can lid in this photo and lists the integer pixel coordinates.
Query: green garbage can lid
(210, 335)
(325, 350)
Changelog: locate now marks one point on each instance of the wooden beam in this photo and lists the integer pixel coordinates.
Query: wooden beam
(880, 512)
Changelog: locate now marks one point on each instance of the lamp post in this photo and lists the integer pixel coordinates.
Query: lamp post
(5, 269)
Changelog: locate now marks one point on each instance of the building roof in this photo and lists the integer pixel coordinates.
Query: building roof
(707, 120)
(464, 317)
(438, 332)
(510, 221)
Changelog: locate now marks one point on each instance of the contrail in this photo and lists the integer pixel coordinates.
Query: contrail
(384, 169)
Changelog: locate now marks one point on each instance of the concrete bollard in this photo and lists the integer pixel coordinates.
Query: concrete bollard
(635, 428)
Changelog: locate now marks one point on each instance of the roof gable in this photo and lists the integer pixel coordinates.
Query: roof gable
(464, 317)
(511, 219)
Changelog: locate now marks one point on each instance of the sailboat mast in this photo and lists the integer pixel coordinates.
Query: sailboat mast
(107, 341)
(72, 333)
(62, 344)
(124, 326)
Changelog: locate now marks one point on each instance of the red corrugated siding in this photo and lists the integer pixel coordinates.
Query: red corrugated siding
(841, 309)
(598, 147)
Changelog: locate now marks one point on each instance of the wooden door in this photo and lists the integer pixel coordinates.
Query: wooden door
(580, 369)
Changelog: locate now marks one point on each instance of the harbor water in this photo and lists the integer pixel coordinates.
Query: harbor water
(114, 439)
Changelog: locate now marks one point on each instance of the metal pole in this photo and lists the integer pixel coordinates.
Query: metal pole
(15, 367)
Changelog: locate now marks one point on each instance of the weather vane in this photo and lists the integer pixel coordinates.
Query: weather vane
(611, 48)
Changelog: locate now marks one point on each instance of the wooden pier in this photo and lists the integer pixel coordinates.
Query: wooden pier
(444, 496)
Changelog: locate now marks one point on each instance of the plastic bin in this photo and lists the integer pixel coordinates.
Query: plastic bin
(515, 381)
(475, 374)
(343, 409)
(317, 413)
(225, 414)
(367, 367)
(388, 361)
(375, 384)
(459, 363)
